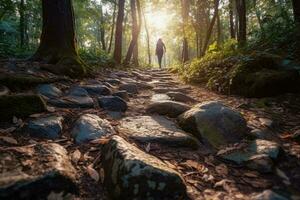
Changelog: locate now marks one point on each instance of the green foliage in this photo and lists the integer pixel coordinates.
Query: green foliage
(96, 58)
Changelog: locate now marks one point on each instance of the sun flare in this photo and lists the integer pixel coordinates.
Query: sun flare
(158, 20)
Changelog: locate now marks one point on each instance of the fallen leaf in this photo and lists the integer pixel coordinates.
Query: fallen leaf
(148, 147)
(9, 140)
(100, 141)
(198, 166)
(208, 178)
(222, 169)
(93, 173)
(76, 155)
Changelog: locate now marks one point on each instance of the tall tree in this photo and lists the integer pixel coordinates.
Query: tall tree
(147, 38)
(231, 20)
(58, 41)
(22, 23)
(102, 29)
(296, 9)
(185, 15)
(242, 31)
(112, 27)
(119, 32)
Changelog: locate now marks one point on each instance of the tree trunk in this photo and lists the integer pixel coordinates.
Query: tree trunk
(296, 9)
(119, 32)
(148, 39)
(185, 14)
(102, 29)
(22, 23)
(112, 28)
(219, 31)
(136, 47)
(58, 42)
(242, 32)
(232, 31)
(210, 28)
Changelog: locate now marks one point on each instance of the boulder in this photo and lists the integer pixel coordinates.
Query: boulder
(46, 127)
(97, 89)
(156, 129)
(20, 105)
(33, 172)
(132, 174)
(213, 123)
(258, 155)
(129, 87)
(112, 103)
(90, 127)
(169, 108)
(179, 96)
(49, 90)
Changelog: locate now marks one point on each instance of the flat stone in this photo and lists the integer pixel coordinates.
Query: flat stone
(33, 172)
(112, 103)
(129, 87)
(47, 127)
(179, 96)
(73, 102)
(90, 127)
(160, 97)
(215, 124)
(97, 89)
(156, 129)
(122, 94)
(113, 81)
(78, 92)
(168, 108)
(266, 122)
(257, 155)
(132, 174)
(49, 90)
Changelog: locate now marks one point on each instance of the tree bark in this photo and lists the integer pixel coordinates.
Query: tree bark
(58, 42)
(112, 28)
(296, 9)
(136, 47)
(102, 29)
(119, 32)
(148, 39)
(22, 23)
(231, 21)
(242, 32)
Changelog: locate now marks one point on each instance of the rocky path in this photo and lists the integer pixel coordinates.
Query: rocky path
(144, 134)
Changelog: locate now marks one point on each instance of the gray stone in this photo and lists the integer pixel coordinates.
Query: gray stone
(90, 127)
(257, 155)
(73, 102)
(112, 103)
(160, 97)
(268, 195)
(132, 174)
(129, 87)
(46, 168)
(49, 90)
(169, 108)
(78, 92)
(47, 127)
(97, 89)
(179, 96)
(156, 129)
(122, 94)
(165, 90)
(113, 81)
(215, 124)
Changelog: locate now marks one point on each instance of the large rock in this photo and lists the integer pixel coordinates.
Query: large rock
(47, 127)
(20, 105)
(90, 127)
(49, 90)
(112, 103)
(179, 96)
(76, 97)
(169, 108)
(33, 172)
(132, 174)
(258, 155)
(129, 87)
(97, 89)
(156, 129)
(213, 123)
(122, 94)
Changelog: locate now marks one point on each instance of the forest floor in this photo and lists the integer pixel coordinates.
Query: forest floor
(206, 175)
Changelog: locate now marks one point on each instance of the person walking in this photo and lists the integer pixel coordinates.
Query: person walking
(160, 50)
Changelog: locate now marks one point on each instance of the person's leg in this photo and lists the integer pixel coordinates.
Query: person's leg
(159, 56)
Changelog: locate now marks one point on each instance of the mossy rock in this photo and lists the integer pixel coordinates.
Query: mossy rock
(22, 81)
(20, 105)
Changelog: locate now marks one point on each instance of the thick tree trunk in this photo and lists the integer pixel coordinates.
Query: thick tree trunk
(231, 21)
(102, 30)
(58, 42)
(296, 9)
(210, 28)
(136, 47)
(242, 32)
(112, 28)
(185, 14)
(119, 32)
(22, 23)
